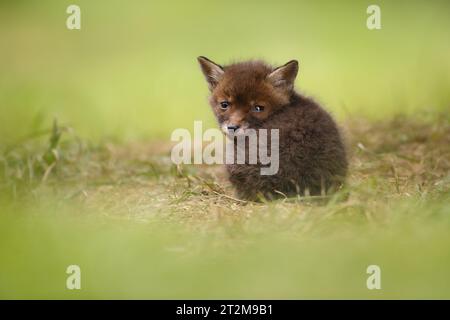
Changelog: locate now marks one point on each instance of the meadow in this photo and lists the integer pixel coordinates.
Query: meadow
(86, 176)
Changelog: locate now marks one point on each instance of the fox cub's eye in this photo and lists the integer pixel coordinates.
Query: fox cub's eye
(258, 108)
(224, 105)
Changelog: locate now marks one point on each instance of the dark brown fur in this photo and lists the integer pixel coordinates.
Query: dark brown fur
(312, 156)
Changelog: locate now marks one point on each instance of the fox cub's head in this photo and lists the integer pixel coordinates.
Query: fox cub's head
(244, 95)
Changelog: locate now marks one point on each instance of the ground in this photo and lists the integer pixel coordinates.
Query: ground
(141, 227)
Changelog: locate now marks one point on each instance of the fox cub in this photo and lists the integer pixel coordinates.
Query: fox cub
(254, 95)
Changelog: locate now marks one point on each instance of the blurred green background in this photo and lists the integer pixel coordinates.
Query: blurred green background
(131, 71)
(263, 257)
(138, 229)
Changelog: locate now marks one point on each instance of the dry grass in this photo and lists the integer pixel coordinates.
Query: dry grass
(391, 160)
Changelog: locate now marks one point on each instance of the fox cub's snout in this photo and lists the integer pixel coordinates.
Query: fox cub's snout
(255, 95)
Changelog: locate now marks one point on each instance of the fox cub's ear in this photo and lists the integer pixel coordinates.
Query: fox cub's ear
(284, 76)
(212, 71)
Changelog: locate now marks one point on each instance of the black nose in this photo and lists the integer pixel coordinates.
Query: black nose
(233, 128)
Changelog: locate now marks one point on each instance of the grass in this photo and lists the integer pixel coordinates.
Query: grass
(131, 71)
(141, 228)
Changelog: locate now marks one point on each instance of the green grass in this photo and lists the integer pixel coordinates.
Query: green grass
(131, 71)
(141, 228)
(97, 188)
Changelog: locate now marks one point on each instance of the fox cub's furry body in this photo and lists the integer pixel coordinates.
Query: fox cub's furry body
(312, 157)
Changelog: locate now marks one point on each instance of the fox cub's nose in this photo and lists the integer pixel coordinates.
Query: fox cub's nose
(232, 128)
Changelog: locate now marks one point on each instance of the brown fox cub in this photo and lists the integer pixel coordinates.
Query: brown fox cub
(254, 95)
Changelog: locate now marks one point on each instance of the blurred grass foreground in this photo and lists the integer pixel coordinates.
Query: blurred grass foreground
(86, 178)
